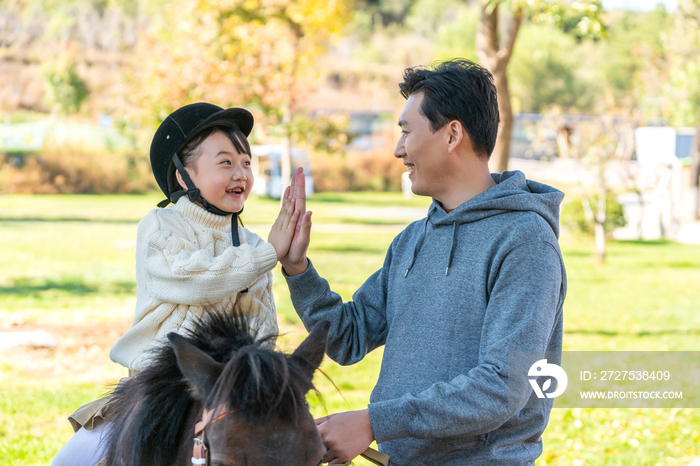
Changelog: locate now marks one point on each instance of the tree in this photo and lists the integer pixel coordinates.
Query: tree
(596, 145)
(634, 62)
(65, 90)
(383, 12)
(254, 53)
(683, 88)
(550, 71)
(582, 18)
(75, 43)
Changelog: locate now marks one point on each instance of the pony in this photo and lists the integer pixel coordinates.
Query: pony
(253, 400)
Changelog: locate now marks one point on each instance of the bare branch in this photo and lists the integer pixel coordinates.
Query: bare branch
(487, 35)
(506, 49)
(586, 203)
(686, 13)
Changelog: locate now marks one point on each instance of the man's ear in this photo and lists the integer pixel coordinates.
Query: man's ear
(455, 134)
(180, 180)
(310, 353)
(200, 369)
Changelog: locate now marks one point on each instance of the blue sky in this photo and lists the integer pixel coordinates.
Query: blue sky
(641, 5)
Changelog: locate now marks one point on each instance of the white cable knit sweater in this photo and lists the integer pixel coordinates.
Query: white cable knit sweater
(184, 263)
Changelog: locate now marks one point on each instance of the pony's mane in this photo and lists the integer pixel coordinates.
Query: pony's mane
(151, 410)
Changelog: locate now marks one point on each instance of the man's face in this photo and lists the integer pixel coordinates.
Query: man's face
(422, 150)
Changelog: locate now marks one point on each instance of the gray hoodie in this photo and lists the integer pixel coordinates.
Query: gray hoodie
(457, 291)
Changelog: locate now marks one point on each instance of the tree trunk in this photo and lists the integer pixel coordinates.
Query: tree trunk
(501, 152)
(495, 55)
(695, 177)
(600, 243)
(285, 163)
(600, 218)
(640, 222)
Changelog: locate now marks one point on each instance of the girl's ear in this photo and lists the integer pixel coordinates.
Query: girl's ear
(180, 180)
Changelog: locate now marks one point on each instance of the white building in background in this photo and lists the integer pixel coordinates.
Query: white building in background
(664, 201)
(660, 172)
(268, 171)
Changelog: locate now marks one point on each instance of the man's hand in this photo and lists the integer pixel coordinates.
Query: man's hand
(295, 261)
(345, 435)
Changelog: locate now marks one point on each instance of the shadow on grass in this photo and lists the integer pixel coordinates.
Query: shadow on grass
(378, 199)
(349, 249)
(573, 253)
(373, 221)
(672, 265)
(29, 287)
(645, 242)
(319, 198)
(643, 333)
(329, 199)
(65, 219)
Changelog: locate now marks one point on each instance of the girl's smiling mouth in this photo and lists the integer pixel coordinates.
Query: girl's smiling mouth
(237, 191)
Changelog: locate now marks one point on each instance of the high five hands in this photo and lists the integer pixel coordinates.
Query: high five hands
(345, 435)
(295, 262)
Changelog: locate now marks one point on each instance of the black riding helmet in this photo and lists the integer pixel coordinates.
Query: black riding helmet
(178, 130)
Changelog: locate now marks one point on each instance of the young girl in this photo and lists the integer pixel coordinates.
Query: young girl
(193, 255)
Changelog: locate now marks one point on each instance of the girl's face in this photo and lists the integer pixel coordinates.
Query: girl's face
(222, 174)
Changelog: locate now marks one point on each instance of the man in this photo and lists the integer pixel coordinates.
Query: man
(480, 276)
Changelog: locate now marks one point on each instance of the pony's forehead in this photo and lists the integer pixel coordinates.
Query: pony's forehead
(236, 436)
(261, 384)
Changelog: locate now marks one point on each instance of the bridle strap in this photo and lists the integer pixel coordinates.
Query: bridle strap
(373, 456)
(200, 452)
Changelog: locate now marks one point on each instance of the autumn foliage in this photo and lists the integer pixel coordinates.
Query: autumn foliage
(254, 53)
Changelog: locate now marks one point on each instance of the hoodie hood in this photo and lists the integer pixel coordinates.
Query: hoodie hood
(513, 192)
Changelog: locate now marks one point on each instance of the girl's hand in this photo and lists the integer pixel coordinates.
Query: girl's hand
(282, 230)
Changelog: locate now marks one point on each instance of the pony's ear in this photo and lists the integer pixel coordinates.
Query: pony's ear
(200, 369)
(310, 353)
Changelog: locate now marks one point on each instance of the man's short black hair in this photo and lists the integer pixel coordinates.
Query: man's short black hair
(457, 90)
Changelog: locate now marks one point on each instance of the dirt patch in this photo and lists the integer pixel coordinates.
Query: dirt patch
(81, 348)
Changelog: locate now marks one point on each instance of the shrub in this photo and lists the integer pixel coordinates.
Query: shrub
(65, 170)
(65, 90)
(357, 171)
(574, 218)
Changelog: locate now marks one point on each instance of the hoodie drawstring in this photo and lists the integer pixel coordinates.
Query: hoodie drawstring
(419, 245)
(421, 240)
(455, 231)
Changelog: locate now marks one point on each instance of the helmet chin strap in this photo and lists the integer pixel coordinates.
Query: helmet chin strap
(194, 195)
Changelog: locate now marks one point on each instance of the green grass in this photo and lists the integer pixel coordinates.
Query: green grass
(33, 418)
(71, 259)
(644, 298)
(125, 208)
